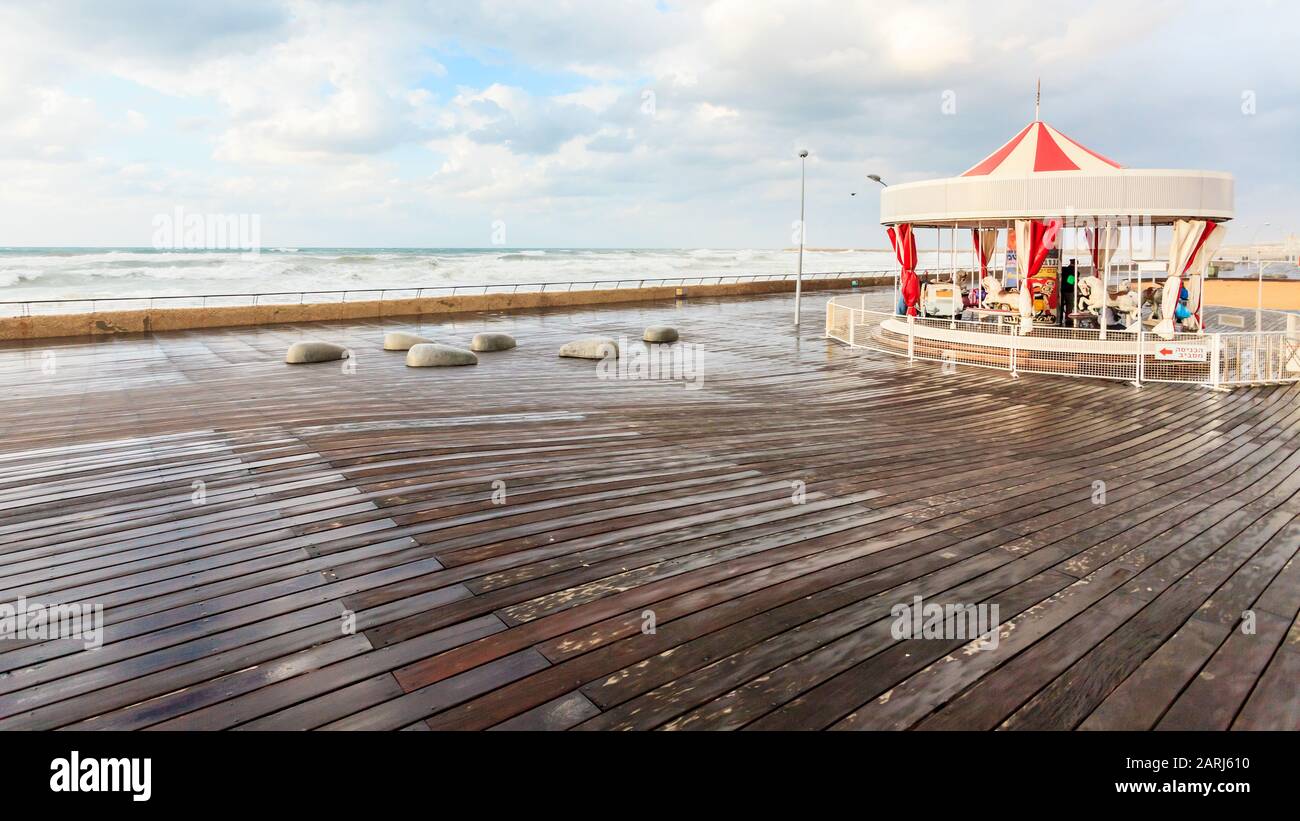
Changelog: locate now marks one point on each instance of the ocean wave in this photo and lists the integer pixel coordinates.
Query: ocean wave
(41, 274)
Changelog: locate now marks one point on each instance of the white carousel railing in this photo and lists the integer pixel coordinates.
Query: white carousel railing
(1215, 359)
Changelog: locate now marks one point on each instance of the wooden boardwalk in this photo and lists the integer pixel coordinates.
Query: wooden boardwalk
(767, 522)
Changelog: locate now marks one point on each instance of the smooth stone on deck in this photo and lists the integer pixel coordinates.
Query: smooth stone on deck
(492, 342)
(434, 355)
(301, 353)
(591, 347)
(402, 340)
(659, 333)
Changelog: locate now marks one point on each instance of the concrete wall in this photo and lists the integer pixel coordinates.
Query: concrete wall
(1283, 295)
(175, 319)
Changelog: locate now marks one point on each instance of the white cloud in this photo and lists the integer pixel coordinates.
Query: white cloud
(319, 107)
(48, 124)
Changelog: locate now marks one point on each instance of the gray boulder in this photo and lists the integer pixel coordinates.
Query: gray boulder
(492, 342)
(591, 347)
(402, 341)
(434, 355)
(660, 333)
(301, 353)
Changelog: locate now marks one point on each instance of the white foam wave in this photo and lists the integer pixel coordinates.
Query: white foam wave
(70, 274)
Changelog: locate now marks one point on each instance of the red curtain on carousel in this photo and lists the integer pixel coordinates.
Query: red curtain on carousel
(904, 242)
(1035, 240)
(1192, 244)
(1042, 236)
(985, 242)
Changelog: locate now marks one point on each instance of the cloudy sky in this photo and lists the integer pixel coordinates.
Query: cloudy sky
(605, 123)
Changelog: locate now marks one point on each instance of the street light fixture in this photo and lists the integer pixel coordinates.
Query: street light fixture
(876, 178)
(798, 279)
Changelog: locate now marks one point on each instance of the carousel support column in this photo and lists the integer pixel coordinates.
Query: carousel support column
(1105, 278)
(952, 261)
(1137, 369)
(1138, 269)
(1074, 289)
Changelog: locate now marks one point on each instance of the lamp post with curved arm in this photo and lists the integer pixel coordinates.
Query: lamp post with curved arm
(798, 278)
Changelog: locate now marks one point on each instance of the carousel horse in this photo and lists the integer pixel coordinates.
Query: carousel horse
(997, 299)
(1123, 303)
(1092, 295)
(1153, 295)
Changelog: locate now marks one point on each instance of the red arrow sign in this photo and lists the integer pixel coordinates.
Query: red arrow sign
(1165, 351)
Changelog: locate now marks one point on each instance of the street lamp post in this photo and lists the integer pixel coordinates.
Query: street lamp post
(897, 284)
(798, 279)
(1259, 280)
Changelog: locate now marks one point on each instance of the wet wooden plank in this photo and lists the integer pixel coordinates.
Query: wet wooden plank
(368, 493)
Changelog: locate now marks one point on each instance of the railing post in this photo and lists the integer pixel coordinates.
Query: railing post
(1216, 349)
(911, 338)
(853, 337)
(1137, 373)
(1011, 365)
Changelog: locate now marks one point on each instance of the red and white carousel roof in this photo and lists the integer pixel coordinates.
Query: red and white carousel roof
(1038, 148)
(1040, 173)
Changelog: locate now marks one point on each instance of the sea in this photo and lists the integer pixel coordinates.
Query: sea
(98, 273)
(31, 274)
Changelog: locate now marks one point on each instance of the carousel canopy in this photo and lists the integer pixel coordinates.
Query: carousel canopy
(1040, 173)
(1039, 148)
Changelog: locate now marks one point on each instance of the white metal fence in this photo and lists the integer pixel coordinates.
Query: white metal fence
(1217, 359)
(93, 304)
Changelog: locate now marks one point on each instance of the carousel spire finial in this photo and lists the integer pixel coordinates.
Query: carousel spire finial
(1038, 96)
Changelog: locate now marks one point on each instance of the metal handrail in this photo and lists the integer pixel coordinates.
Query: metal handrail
(1235, 358)
(485, 288)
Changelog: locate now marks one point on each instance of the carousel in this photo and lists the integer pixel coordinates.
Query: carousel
(1015, 303)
